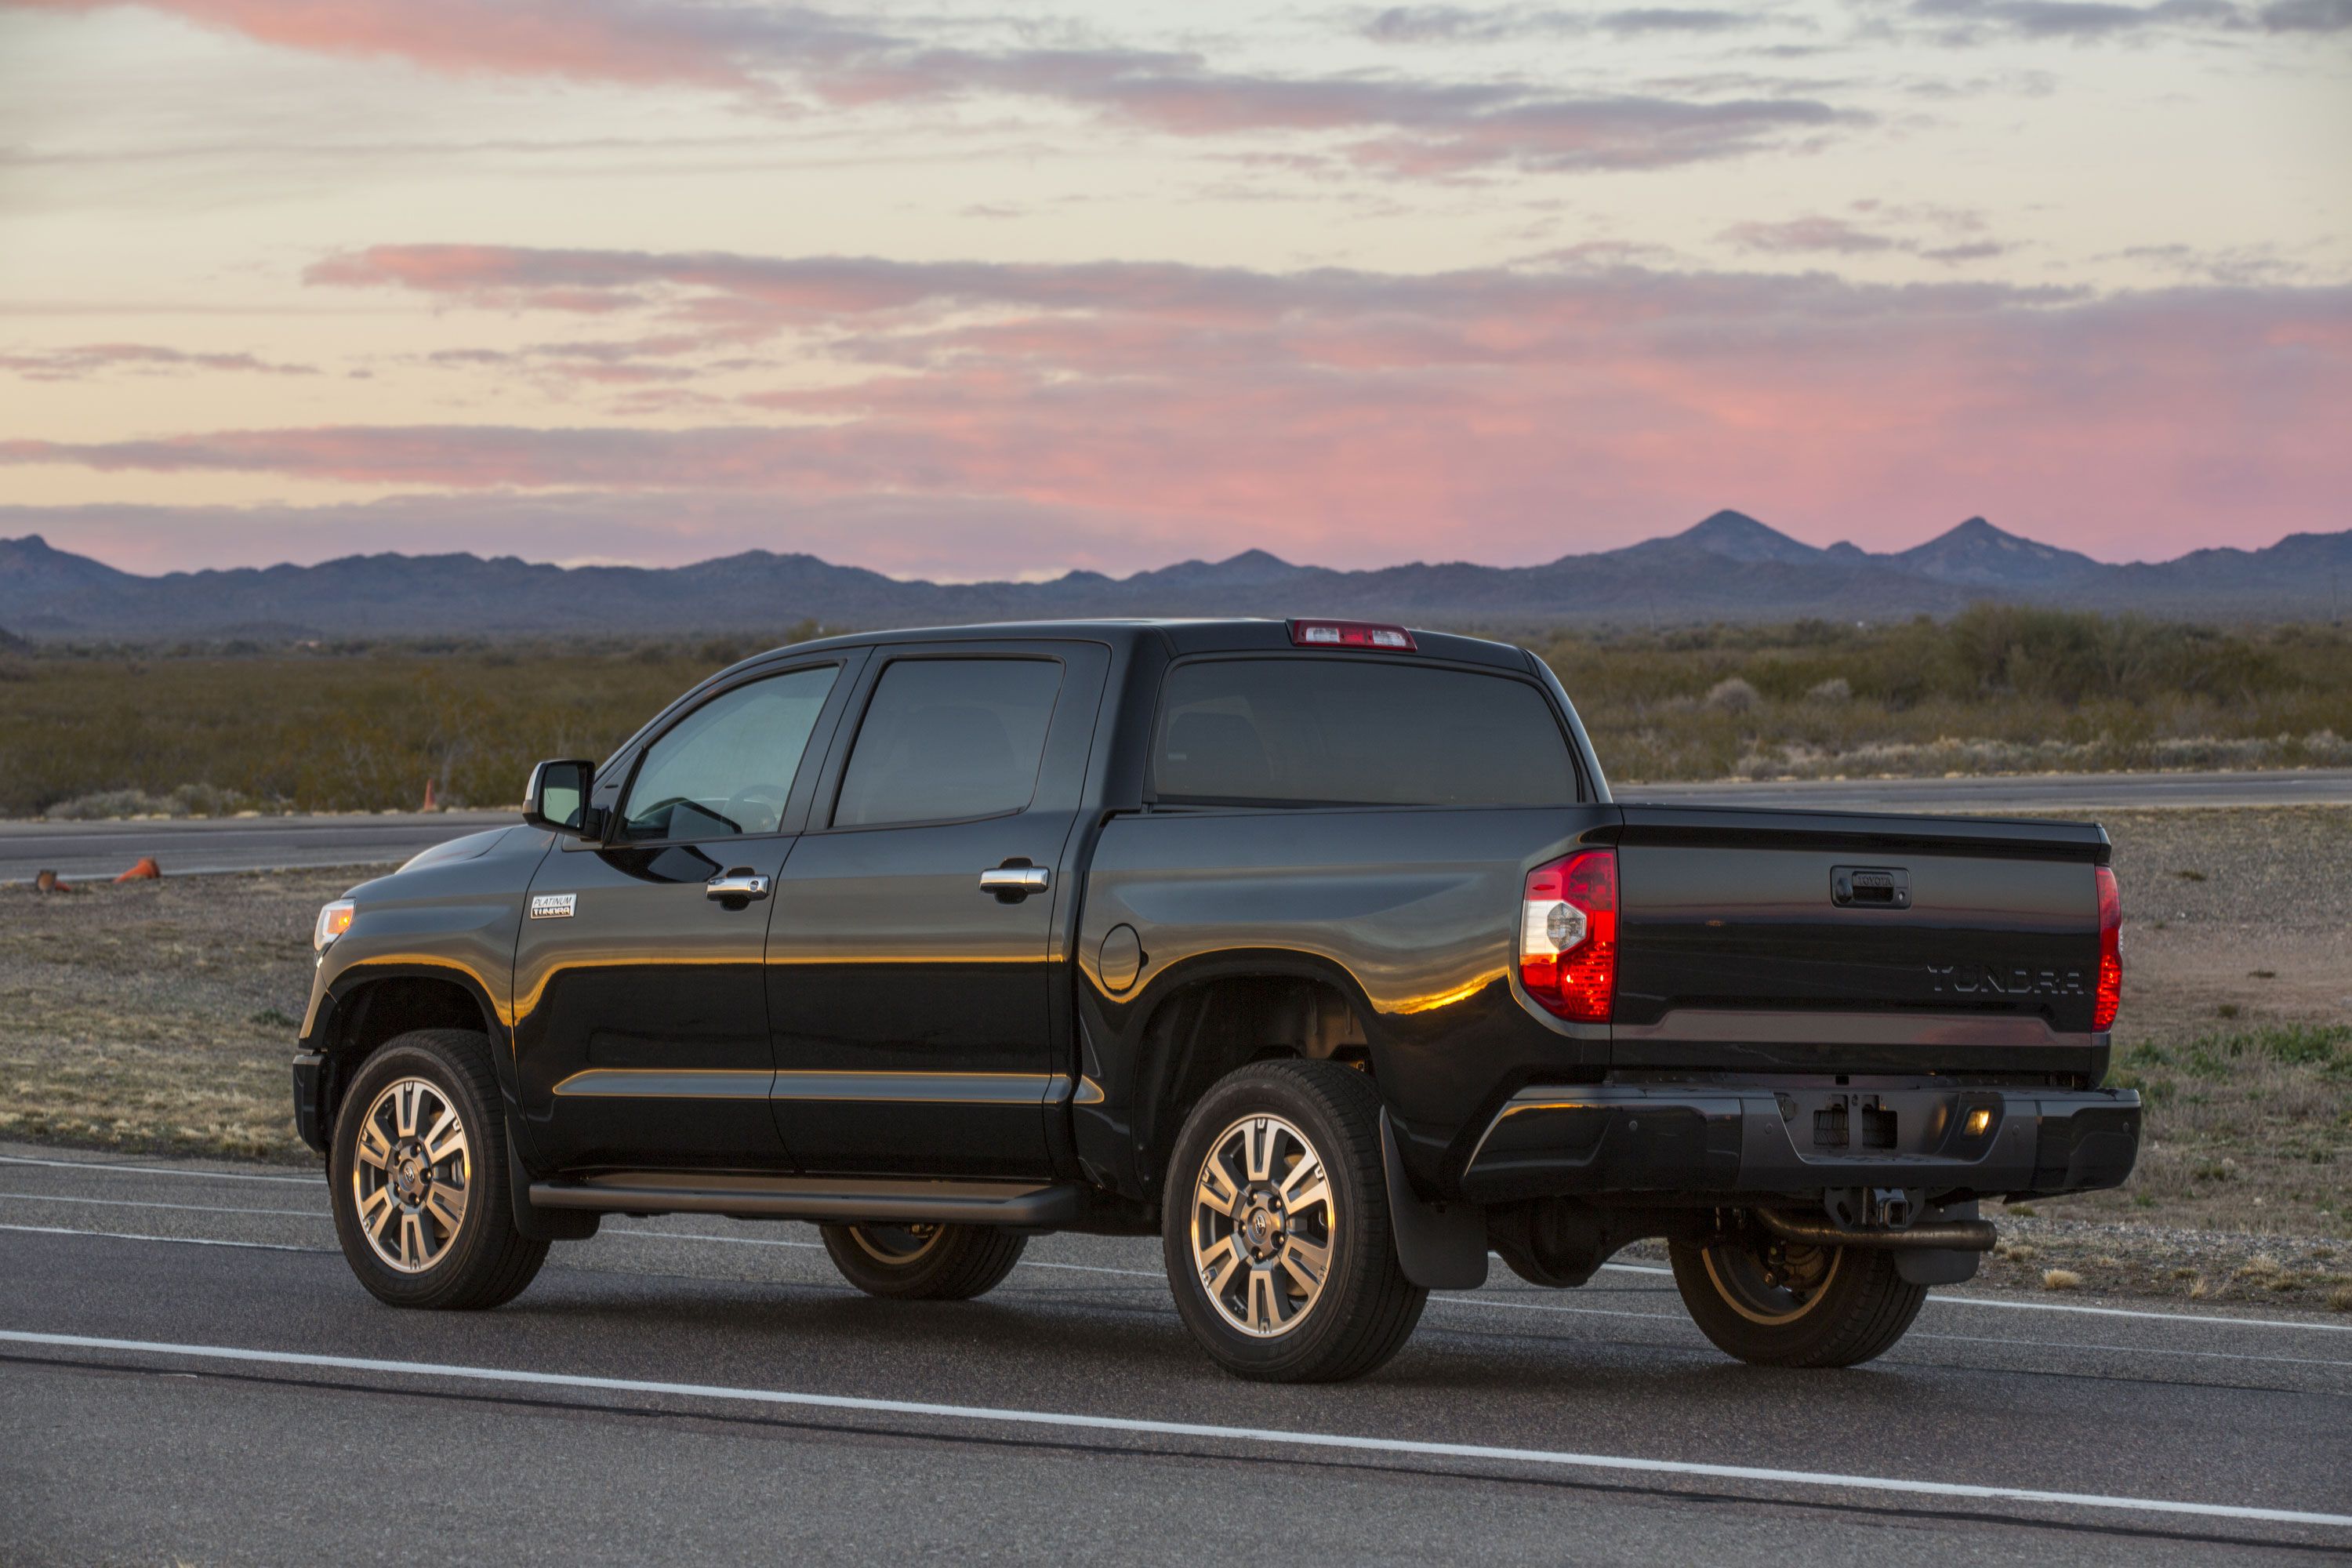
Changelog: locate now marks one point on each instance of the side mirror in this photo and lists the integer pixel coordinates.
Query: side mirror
(558, 798)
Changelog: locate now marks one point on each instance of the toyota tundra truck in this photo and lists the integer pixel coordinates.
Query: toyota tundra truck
(1318, 948)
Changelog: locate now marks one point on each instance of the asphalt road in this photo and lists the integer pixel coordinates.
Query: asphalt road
(91, 849)
(191, 1374)
(86, 850)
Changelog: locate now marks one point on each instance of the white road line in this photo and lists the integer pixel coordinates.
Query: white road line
(2124, 1350)
(138, 1204)
(157, 1171)
(175, 1240)
(2129, 1312)
(1264, 1437)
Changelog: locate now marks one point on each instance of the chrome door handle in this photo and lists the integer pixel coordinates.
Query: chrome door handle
(737, 886)
(1015, 881)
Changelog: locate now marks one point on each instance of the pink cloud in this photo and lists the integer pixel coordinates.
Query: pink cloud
(87, 360)
(1399, 124)
(1351, 417)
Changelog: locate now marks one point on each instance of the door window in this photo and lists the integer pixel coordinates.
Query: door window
(949, 738)
(725, 770)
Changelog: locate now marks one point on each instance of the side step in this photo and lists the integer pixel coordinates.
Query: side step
(1018, 1203)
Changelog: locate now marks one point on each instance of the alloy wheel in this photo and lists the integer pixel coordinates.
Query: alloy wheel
(413, 1174)
(1263, 1224)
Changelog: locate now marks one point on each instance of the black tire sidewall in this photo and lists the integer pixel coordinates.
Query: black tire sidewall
(967, 1260)
(435, 1056)
(1866, 1307)
(1362, 1252)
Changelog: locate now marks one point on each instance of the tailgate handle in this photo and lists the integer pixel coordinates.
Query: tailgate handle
(1870, 887)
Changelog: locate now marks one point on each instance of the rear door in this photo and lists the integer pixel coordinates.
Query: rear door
(910, 961)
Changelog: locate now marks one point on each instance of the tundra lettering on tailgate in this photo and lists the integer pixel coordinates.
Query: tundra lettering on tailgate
(1977, 978)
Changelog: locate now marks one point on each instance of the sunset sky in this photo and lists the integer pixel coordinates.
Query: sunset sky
(990, 291)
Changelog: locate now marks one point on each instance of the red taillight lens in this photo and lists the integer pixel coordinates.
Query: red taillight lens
(2111, 953)
(1568, 936)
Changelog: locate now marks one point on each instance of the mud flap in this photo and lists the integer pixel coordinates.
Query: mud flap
(535, 1224)
(1937, 1268)
(1442, 1246)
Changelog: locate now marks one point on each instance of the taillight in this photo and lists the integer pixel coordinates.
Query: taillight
(2111, 953)
(1350, 634)
(1568, 936)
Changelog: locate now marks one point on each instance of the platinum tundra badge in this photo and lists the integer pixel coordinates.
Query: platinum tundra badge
(554, 906)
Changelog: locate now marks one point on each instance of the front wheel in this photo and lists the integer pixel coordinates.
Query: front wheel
(924, 1262)
(1782, 1303)
(1276, 1226)
(419, 1177)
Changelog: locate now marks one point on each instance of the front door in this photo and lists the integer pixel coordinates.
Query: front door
(910, 959)
(641, 1033)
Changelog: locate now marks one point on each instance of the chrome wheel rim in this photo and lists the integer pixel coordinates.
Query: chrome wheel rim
(1774, 1282)
(413, 1175)
(895, 1245)
(1264, 1220)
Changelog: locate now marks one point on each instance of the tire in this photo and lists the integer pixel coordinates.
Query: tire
(924, 1262)
(1244, 1270)
(396, 1237)
(1836, 1305)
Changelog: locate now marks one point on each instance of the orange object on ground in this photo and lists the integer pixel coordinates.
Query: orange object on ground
(429, 804)
(46, 882)
(145, 872)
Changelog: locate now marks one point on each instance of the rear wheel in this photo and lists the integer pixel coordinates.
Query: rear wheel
(1780, 1303)
(1276, 1226)
(419, 1177)
(924, 1262)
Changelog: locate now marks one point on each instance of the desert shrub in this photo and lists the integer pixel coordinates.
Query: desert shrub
(1732, 695)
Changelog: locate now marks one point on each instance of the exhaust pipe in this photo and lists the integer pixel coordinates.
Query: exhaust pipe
(1929, 1235)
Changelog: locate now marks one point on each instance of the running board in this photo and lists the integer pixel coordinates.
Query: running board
(1018, 1203)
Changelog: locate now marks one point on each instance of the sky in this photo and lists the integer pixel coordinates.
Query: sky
(1005, 290)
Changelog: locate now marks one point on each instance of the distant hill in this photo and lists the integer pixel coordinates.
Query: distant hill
(1729, 567)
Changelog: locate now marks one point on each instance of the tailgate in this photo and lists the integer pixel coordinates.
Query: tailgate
(1850, 942)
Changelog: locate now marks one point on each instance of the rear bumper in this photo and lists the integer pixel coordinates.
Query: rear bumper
(1590, 1141)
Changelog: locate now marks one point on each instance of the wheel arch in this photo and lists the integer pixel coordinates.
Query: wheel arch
(375, 1004)
(1210, 1014)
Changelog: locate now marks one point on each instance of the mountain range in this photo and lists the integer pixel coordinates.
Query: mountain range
(1729, 567)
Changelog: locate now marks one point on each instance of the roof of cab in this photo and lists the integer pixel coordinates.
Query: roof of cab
(1181, 637)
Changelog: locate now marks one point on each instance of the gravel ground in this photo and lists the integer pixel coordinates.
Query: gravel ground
(160, 1016)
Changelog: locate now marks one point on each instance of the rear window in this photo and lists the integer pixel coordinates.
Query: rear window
(1331, 732)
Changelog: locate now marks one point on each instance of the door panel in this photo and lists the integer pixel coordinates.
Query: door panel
(911, 1010)
(641, 1035)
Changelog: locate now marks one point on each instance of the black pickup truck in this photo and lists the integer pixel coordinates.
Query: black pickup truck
(1318, 948)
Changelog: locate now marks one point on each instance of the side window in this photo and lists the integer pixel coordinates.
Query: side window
(726, 769)
(950, 738)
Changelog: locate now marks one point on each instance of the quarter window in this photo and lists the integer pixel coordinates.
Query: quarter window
(725, 770)
(946, 739)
